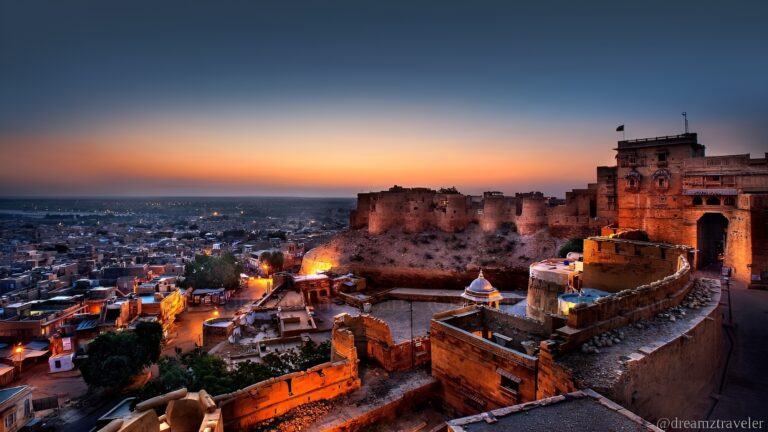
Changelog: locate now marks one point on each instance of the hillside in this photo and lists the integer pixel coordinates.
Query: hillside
(433, 258)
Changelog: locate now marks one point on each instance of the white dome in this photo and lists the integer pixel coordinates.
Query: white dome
(481, 285)
(481, 291)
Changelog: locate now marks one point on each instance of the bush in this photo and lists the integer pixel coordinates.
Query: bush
(572, 245)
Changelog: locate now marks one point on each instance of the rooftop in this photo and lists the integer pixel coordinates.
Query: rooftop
(10, 392)
(687, 139)
(583, 410)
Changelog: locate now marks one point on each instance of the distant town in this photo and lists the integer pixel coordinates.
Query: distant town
(409, 309)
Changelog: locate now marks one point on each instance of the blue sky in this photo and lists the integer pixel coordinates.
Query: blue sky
(556, 75)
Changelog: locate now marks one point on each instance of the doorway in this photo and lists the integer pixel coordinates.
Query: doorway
(711, 238)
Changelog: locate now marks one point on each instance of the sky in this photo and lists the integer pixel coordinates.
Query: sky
(332, 98)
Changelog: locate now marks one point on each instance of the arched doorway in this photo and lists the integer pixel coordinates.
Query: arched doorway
(711, 232)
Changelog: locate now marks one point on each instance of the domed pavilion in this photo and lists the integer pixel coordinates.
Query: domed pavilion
(481, 292)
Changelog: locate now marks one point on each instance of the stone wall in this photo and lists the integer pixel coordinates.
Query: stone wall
(393, 406)
(553, 379)
(624, 307)
(682, 369)
(420, 209)
(470, 368)
(542, 297)
(273, 397)
(373, 340)
(614, 265)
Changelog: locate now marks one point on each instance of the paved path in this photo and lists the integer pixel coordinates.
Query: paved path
(745, 391)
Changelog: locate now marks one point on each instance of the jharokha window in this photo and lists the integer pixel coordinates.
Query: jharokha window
(632, 181)
(661, 179)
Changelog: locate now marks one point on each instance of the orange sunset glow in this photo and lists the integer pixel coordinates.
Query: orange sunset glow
(144, 158)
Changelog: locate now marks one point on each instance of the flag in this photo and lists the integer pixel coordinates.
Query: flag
(620, 128)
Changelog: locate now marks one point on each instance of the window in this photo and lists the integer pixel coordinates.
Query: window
(713, 201)
(27, 408)
(662, 157)
(10, 419)
(57, 364)
(697, 201)
(633, 181)
(729, 201)
(510, 383)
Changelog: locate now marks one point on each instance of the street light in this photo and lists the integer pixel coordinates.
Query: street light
(216, 313)
(19, 350)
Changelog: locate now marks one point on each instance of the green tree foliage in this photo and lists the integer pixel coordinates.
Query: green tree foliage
(114, 358)
(197, 370)
(572, 245)
(150, 338)
(213, 272)
(274, 259)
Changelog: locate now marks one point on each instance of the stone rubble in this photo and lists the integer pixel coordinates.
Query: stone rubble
(297, 419)
(699, 296)
(606, 339)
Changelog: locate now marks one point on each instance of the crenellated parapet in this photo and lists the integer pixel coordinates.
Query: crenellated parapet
(416, 210)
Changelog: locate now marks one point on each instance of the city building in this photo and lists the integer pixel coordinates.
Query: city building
(15, 408)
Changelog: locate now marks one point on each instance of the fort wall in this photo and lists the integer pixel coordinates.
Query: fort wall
(419, 209)
(271, 398)
(682, 369)
(614, 265)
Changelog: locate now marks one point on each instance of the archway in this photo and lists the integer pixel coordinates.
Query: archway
(711, 232)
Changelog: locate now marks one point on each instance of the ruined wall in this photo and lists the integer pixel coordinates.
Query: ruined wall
(553, 379)
(273, 397)
(373, 340)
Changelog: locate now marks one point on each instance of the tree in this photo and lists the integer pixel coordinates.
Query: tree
(112, 360)
(213, 272)
(572, 245)
(273, 259)
(150, 338)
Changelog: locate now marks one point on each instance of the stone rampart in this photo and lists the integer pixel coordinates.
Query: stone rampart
(271, 398)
